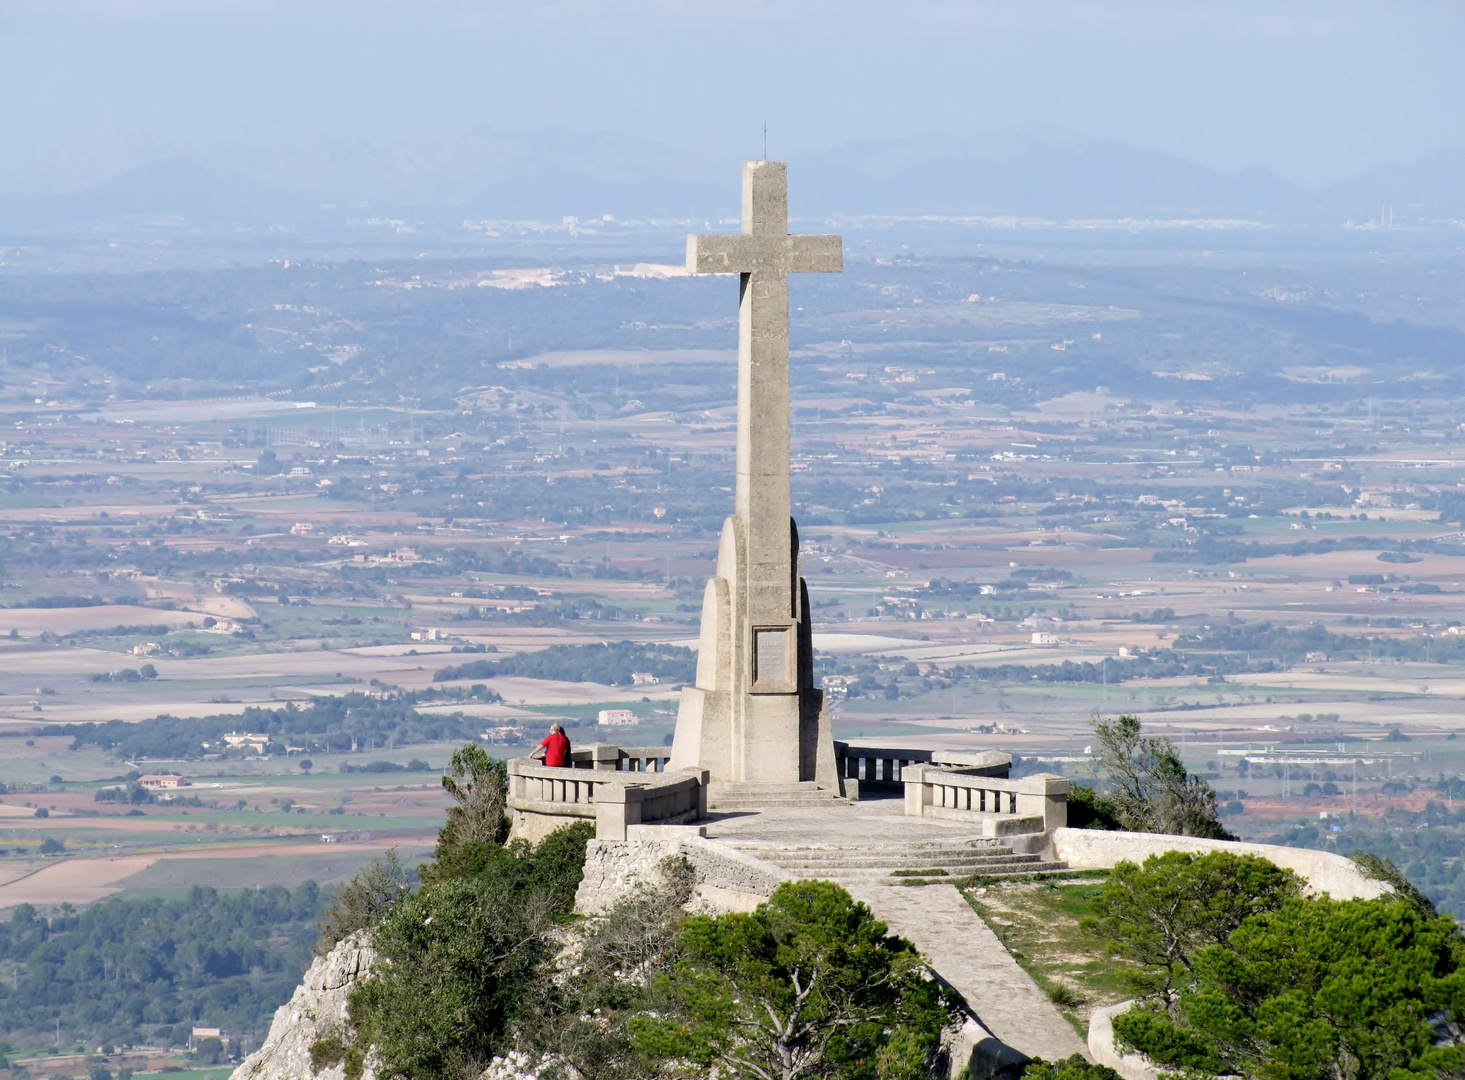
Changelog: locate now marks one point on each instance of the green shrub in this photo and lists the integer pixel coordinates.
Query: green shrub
(1162, 913)
(1152, 1033)
(1320, 987)
(1087, 809)
(1069, 1068)
(457, 957)
(363, 901)
(809, 984)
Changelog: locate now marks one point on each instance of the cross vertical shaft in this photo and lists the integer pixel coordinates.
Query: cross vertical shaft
(762, 498)
(764, 254)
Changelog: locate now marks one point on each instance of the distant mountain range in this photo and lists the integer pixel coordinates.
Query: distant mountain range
(551, 174)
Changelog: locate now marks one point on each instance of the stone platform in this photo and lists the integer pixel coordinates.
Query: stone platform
(870, 821)
(869, 842)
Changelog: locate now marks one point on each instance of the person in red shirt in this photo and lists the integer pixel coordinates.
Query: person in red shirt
(555, 749)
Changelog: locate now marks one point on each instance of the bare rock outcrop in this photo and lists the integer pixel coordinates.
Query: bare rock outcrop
(316, 1010)
(726, 879)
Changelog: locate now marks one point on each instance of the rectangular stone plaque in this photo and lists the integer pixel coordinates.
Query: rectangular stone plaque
(770, 655)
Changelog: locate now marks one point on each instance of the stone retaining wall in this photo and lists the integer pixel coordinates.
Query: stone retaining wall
(1103, 1051)
(1324, 872)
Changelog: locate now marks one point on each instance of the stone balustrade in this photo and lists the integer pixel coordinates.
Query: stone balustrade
(882, 769)
(605, 757)
(680, 799)
(536, 788)
(872, 767)
(599, 788)
(1032, 804)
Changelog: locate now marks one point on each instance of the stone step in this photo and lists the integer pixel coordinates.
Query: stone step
(893, 850)
(953, 851)
(960, 857)
(728, 796)
(894, 854)
(885, 877)
(968, 864)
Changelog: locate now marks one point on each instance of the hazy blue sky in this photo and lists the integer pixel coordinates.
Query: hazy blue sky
(1314, 90)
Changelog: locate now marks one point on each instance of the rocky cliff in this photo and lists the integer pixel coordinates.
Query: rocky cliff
(317, 1009)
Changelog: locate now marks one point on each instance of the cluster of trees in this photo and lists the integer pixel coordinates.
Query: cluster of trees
(349, 722)
(1242, 975)
(1215, 652)
(415, 765)
(1290, 644)
(134, 972)
(611, 664)
(1208, 549)
(146, 672)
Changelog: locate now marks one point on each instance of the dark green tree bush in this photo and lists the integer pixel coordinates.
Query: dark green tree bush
(1162, 913)
(1087, 809)
(479, 786)
(1363, 989)
(1069, 1068)
(1243, 975)
(809, 984)
(458, 956)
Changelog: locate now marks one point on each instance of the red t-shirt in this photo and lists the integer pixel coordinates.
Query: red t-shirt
(556, 749)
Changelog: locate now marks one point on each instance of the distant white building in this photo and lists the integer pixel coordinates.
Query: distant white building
(1043, 637)
(643, 678)
(616, 717)
(237, 739)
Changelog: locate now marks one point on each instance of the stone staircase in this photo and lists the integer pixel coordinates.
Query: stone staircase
(897, 863)
(724, 797)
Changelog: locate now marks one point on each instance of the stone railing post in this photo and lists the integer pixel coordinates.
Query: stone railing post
(617, 806)
(604, 757)
(917, 791)
(1044, 796)
(702, 777)
(517, 781)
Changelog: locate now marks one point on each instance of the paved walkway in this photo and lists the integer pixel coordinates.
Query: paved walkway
(965, 952)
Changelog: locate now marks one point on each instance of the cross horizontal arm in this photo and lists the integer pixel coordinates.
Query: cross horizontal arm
(815, 255)
(745, 253)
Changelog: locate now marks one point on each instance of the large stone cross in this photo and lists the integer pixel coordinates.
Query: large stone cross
(748, 717)
(765, 254)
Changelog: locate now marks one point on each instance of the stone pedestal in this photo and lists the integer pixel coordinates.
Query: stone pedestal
(737, 722)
